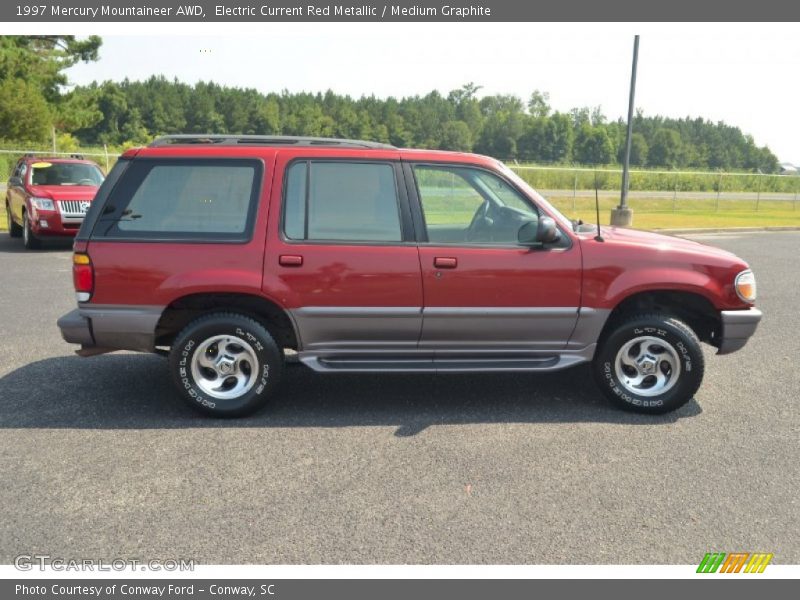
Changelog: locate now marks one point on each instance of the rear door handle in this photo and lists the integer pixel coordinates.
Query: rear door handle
(445, 262)
(290, 260)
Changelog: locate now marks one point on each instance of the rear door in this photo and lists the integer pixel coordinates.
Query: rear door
(341, 254)
(483, 291)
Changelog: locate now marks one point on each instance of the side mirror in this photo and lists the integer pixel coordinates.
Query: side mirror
(538, 233)
(15, 182)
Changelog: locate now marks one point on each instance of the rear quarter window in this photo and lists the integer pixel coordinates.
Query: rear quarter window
(184, 199)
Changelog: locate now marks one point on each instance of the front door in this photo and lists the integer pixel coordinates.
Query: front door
(483, 291)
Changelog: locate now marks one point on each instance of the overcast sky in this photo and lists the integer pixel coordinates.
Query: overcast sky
(746, 75)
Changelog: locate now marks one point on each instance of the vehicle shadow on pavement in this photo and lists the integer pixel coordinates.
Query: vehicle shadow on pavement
(134, 391)
(11, 245)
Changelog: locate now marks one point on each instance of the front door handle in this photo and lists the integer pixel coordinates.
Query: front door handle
(445, 262)
(290, 260)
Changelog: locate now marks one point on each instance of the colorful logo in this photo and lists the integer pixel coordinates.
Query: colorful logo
(735, 562)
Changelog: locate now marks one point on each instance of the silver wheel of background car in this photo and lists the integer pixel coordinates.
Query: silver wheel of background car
(225, 367)
(26, 230)
(647, 366)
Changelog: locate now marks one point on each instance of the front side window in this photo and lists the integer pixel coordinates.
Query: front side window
(466, 205)
(185, 199)
(341, 201)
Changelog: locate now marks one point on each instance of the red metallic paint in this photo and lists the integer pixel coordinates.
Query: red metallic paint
(630, 262)
(502, 277)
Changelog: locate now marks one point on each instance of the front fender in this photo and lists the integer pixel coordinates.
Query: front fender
(635, 281)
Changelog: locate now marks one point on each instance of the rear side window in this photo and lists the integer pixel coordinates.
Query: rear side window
(341, 201)
(180, 199)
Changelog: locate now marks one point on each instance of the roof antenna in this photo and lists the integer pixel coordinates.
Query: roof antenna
(598, 237)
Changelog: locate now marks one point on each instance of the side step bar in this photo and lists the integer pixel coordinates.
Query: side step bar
(440, 364)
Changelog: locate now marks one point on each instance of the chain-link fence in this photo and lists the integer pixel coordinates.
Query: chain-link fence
(571, 188)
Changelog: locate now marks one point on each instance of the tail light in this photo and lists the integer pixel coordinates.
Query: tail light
(82, 276)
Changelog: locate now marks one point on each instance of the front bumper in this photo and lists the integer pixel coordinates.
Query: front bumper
(46, 223)
(107, 328)
(737, 327)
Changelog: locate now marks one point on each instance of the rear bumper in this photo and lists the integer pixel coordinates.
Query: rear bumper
(737, 327)
(76, 329)
(111, 327)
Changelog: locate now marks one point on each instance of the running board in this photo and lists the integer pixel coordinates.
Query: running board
(443, 364)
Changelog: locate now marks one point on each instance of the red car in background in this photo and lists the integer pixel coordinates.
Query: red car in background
(48, 197)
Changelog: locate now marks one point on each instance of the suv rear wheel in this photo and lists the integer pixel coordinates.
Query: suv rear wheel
(650, 364)
(29, 240)
(14, 230)
(225, 364)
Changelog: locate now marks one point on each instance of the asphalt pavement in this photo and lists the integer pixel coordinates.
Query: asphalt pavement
(100, 459)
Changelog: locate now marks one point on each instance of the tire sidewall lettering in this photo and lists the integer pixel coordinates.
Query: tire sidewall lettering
(187, 349)
(669, 337)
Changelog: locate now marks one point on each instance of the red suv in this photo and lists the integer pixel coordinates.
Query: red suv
(48, 197)
(222, 252)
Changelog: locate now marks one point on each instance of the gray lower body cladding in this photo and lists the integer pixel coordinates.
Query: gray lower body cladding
(385, 338)
(738, 326)
(440, 339)
(446, 339)
(108, 328)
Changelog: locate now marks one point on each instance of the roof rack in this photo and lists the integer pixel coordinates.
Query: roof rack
(264, 140)
(57, 156)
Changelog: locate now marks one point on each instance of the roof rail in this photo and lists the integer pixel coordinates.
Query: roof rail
(264, 140)
(56, 156)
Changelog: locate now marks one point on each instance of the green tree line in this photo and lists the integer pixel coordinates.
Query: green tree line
(33, 100)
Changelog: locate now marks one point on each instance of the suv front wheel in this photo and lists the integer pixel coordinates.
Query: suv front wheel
(29, 239)
(14, 230)
(225, 364)
(650, 364)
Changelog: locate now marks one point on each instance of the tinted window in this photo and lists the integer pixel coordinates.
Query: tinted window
(184, 199)
(47, 173)
(342, 201)
(294, 215)
(464, 205)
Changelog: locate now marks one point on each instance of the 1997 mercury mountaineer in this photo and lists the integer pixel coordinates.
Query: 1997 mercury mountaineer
(223, 251)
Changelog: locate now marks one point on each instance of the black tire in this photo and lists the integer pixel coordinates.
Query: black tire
(671, 342)
(14, 230)
(30, 241)
(194, 380)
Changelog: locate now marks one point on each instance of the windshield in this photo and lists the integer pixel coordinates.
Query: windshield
(53, 173)
(539, 198)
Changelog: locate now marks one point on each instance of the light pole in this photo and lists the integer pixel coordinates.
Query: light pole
(623, 215)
